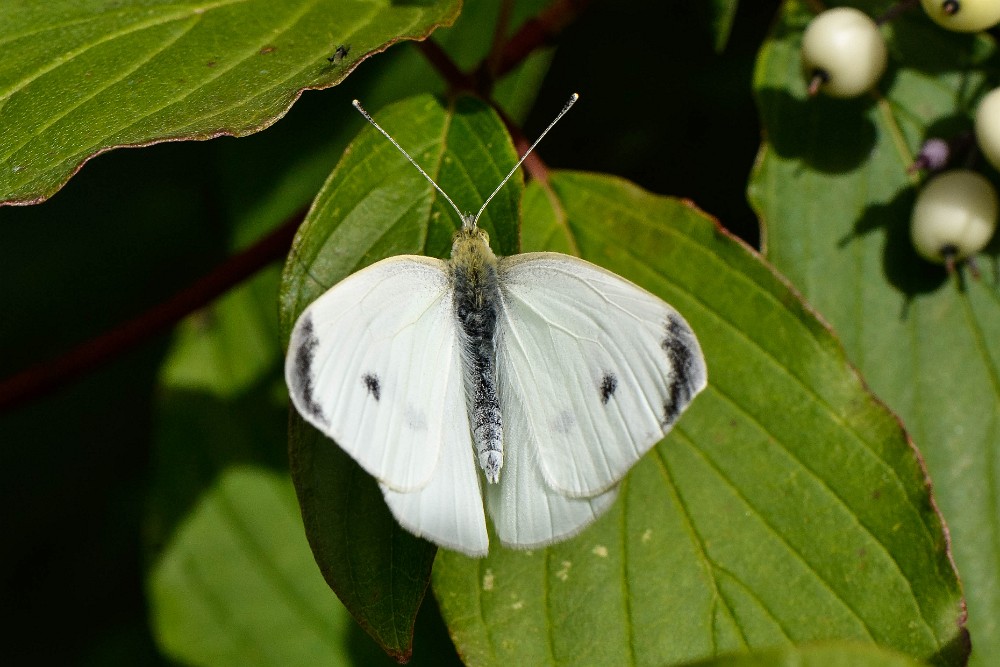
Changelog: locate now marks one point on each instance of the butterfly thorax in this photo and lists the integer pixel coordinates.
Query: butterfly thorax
(473, 268)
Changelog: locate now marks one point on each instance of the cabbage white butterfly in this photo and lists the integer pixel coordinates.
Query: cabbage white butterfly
(550, 374)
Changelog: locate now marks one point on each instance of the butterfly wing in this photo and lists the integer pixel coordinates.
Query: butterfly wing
(449, 510)
(603, 368)
(525, 508)
(374, 364)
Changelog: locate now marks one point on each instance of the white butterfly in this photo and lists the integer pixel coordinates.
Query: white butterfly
(552, 374)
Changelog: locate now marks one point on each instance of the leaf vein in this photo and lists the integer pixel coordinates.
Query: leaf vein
(626, 594)
(822, 484)
(36, 132)
(697, 541)
(83, 48)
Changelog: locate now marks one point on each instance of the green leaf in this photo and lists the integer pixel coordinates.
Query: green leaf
(80, 78)
(832, 190)
(820, 654)
(786, 506)
(375, 205)
(237, 584)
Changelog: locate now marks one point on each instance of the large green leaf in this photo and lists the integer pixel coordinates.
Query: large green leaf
(374, 205)
(832, 191)
(787, 505)
(80, 78)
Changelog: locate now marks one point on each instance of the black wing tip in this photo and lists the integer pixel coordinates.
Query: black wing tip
(305, 342)
(688, 374)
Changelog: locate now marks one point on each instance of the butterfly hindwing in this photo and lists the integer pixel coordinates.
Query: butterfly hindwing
(374, 364)
(526, 510)
(449, 509)
(603, 367)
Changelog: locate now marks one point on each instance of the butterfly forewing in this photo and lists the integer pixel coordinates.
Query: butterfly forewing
(374, 364)
(603, 367)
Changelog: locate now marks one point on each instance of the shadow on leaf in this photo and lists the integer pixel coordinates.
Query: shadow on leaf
(904, 269)
(201, 435)
(924, 46)
(829, 135)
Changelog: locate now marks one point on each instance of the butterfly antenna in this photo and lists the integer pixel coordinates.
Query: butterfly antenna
(462, 216)
(572, 100)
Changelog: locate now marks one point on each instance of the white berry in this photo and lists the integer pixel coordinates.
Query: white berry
(843, 51)
(988, 127)
(954, 216)
(963, 15)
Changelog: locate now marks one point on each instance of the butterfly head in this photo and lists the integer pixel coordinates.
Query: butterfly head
(469, 240)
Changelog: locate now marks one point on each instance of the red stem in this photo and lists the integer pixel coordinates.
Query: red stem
(538, 32)
(446, 67)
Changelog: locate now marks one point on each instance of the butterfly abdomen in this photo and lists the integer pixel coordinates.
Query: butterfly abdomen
(477, 304)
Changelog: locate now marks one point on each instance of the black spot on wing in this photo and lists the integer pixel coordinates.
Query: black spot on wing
(607, 387)
(372, 385)
(678, 343)
(304, 356)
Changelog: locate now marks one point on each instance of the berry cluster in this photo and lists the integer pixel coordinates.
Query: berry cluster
(955, 214)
